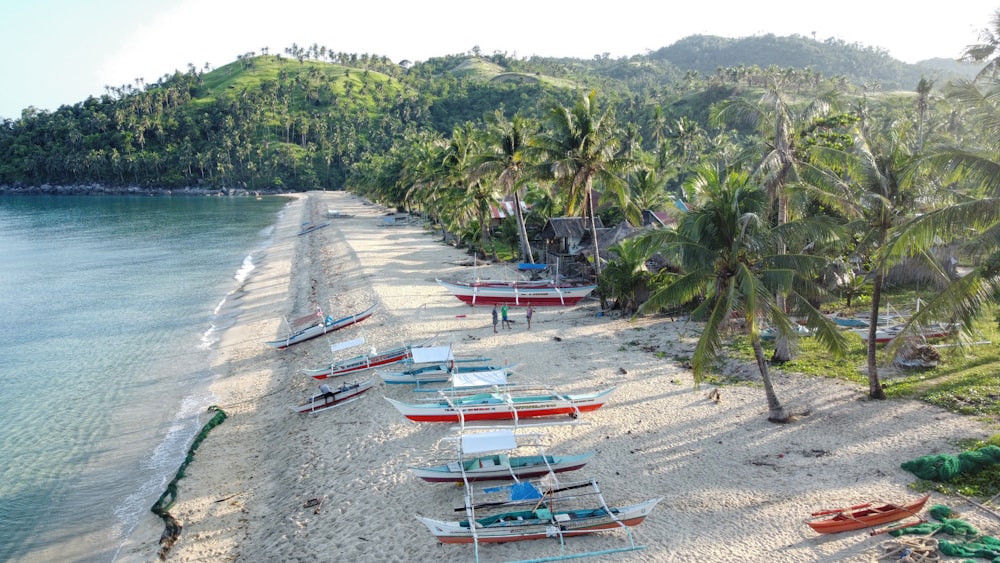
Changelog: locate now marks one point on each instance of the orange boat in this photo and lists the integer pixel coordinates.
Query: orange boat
(864, 516)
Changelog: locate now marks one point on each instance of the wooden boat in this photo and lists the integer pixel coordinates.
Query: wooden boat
(501, 405)
(540, 521)
(361, 362)
(436, 364)
(319, 327)
(863, 516)
(884, 335)
(321, 401)
(499, 467)
(486, 456)
(518, 293)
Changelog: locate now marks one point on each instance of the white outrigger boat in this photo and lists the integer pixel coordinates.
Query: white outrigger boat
(319, 326)
(487, 457)
(335, 398)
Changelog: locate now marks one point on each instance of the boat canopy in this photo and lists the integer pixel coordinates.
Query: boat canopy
(347, 344)
(431, 354)
(480, 378)
(488, 442)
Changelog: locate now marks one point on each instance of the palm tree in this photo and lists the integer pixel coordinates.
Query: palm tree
(780, 126)
(581, 146)
(471, 198)
(728, 254)
(988, 50)
(875, 191)
(505, 160)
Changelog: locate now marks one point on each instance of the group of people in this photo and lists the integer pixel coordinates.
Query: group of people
(502, 317)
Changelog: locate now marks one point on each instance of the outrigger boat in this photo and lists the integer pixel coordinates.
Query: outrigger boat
(337, 397)
(518, 293)
(319, 326)
(361, 362)
(437, 364)
(864, 516)
(469, 467)
(499, 404)
(541, 521)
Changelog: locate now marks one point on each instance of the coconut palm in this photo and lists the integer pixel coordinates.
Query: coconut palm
(730, 264)
(580, 146)
(505, 160)
(780, 126)
(987, 50)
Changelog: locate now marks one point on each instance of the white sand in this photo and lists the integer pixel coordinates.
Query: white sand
(735, 487)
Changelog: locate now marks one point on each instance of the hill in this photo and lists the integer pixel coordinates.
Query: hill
(305, 121)
(859, 64)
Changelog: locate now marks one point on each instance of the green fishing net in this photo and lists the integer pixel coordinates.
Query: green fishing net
(173, 528)
(944, 467)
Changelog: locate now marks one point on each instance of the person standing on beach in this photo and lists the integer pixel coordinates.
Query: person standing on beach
(527, 315)
(494, 317)
(503, 315)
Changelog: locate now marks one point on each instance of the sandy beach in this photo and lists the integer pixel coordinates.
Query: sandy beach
(734, 487)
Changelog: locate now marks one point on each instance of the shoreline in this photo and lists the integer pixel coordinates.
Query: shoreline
(734, 485)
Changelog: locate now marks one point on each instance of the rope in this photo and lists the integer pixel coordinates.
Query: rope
(911, 550)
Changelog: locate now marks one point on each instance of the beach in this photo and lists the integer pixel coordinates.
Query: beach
(734, 486)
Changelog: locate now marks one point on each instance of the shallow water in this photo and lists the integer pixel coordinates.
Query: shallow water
(110, 308)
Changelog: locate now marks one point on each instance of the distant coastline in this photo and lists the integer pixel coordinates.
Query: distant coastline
(99, 189)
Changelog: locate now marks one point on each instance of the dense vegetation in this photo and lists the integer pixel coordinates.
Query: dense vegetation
(807, 169)
(304, 119)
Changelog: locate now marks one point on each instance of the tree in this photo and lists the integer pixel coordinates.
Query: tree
(731, 267)
(874, 189)
(580, 146)
(988, 50)
(505, 160)
(780, 126)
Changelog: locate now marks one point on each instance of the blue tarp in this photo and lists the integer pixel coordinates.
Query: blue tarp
(527, 266)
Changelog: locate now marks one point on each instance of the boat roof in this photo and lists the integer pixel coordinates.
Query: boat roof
(347, 344)
(488, 442)
(429, 354)
(479, 378)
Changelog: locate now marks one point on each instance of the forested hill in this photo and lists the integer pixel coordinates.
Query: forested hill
(861, 65)
(310, 118)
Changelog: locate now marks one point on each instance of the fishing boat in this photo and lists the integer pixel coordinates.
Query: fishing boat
(863, 516)
(543, 520)
(472, 465)
(518, 293)
(360, 362)
(337, 397)
(436, 364)
(499, 405)
(317, 325)
(883, 335)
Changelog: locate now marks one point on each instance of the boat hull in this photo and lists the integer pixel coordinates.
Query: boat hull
(865, 516)
(320, 329)
(437, 373)
(508, 528)
(320, 403)
(520, 467)
(515, 295)
(360, 363)
(489, 406)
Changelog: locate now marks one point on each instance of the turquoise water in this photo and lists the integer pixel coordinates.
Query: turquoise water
(109, 316)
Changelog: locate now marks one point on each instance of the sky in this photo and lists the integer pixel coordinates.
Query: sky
(60, 52)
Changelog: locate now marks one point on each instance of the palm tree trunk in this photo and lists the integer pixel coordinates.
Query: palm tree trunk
(593, 229)
(522, 232)
(875, 390)
(776, 412)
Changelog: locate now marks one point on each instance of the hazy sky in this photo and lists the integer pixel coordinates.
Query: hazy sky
(62, 51)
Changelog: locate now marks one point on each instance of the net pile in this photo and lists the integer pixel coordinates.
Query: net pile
(945, 467)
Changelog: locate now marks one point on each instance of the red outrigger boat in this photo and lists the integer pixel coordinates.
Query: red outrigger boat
(864, 516)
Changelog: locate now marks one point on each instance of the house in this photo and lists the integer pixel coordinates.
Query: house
(564, 236)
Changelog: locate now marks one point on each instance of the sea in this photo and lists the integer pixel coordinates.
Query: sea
(110, 310)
